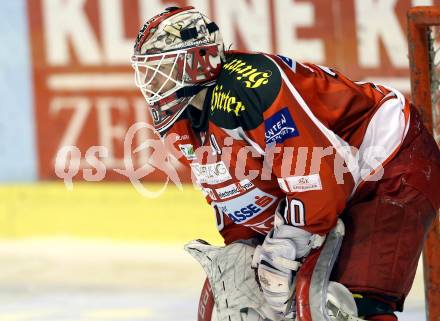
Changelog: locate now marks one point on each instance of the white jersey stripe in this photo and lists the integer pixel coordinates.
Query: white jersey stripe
(384, 135)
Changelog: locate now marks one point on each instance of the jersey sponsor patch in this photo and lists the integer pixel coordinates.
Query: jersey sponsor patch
(188, 151)
(214, 173)
(226, 102)
(234, 189)
(300, 183)
(280, 127)
(244, 208)
(255, 80)
(251, 76)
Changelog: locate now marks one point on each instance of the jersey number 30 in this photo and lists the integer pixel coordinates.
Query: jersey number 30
(295, 213)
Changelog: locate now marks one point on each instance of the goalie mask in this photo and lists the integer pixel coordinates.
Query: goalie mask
(177, 53)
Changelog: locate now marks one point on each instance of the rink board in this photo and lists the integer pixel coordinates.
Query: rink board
(108, 210)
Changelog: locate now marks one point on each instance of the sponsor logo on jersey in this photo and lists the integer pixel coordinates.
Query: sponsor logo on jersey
(214, 173)
(251, 77)
(225, 102)
(288, 61)
(279, 127)
(188, 151)
(234, 189)
(300, 183)
(243, 208)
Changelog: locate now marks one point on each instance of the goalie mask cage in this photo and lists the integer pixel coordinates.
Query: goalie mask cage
(424, 58)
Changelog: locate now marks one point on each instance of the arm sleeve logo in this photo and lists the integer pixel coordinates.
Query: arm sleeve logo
(280, 127)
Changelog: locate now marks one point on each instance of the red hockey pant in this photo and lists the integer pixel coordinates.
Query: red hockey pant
(387, 221)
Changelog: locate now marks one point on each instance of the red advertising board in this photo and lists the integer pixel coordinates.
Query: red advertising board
(83, 83)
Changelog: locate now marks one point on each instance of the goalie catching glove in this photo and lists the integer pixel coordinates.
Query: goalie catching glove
(276, 263)
(234, 287)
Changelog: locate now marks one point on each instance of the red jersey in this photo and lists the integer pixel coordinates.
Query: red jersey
(274, 131)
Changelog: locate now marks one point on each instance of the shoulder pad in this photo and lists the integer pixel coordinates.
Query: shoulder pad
(248, 84)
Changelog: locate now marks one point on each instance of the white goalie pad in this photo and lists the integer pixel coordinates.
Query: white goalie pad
(340, 303)
(236, 292)
(238, 296)
(323, 299)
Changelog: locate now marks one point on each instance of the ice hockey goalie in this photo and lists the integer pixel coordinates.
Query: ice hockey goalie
(266, 136)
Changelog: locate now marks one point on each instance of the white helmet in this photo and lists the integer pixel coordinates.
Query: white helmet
(177, 53)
